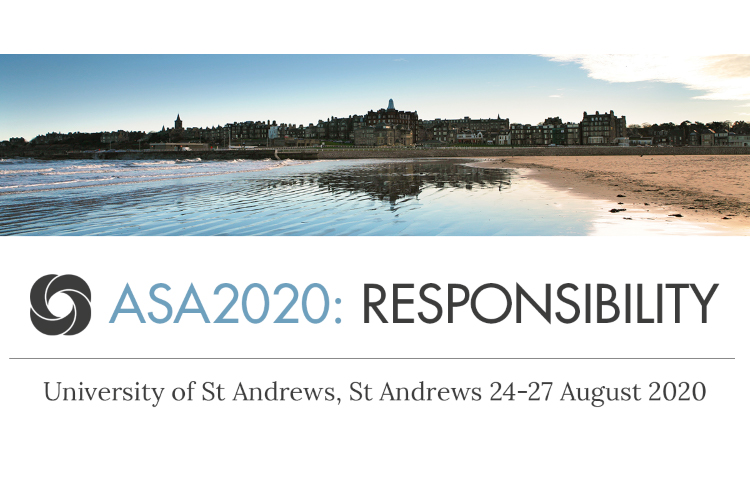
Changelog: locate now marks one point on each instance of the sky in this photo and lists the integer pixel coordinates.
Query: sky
(93, 93)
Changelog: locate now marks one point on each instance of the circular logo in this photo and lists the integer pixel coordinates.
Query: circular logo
(72, 286)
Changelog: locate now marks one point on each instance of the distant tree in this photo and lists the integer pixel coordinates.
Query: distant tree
(719, 125)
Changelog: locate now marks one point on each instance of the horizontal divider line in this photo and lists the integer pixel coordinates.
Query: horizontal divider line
(373, 359)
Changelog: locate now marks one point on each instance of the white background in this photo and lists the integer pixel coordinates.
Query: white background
(482, 449)
(385, 27)
(357, 450)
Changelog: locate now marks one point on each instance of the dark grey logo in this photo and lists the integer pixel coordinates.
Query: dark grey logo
(72, 286)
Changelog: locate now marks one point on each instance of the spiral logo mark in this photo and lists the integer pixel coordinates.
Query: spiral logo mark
(72, 286)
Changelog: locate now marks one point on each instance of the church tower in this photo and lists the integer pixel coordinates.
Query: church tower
(176, 134)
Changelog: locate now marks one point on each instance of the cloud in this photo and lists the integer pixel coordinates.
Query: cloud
(724, 77)
(556, 95)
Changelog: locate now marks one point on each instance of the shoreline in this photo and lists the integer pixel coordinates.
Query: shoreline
(707, 190)
(352, 153)
(716, 192)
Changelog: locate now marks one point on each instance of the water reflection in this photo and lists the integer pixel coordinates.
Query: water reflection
(397, 180)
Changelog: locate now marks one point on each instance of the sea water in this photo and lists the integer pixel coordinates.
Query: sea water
(269, 197)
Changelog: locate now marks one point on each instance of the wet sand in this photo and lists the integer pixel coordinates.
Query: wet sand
(702, 189)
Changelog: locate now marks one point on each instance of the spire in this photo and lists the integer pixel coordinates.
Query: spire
(390, 104)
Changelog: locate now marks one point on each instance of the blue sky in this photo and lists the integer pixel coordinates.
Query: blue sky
(91, 93)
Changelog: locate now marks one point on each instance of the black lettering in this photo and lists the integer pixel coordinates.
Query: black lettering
(508, 303)
(374, 305)
(704, 302)
(546, 313)
(677, 287)
(600, 303)
(46, 392)
(397, 301)
(452, 303)
(433, 303)
(576, 309)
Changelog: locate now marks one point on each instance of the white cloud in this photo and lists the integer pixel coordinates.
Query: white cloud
(724, 77)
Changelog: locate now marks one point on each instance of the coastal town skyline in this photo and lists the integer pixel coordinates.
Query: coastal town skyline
(392, 127)
(69, 93)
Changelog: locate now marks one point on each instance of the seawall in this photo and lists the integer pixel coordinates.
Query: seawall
(364, 153)
(211, 154)
(538, 151)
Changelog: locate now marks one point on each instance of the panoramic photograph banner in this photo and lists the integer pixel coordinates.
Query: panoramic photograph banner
(317, 252)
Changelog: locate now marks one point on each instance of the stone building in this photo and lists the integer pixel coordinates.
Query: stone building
(358, 122)
(383, 135)
(742, 140)
(721, 138)
(490, 126)
(502, 138)
(693, 138)
(213, 135)
(676, 137)
(247, 133)
(252, 133)
(660, 137)
(559, 134)
(392, 116)
(530, 135)
(602, 128)
(341, 129)
(364, 136)
(444, 132)
(51, 138)
(566, 134)
(707, 137)
(114, 137)
(311, 132)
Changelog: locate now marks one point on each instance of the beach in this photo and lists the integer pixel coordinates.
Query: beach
(554, 196)
(704, 189)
